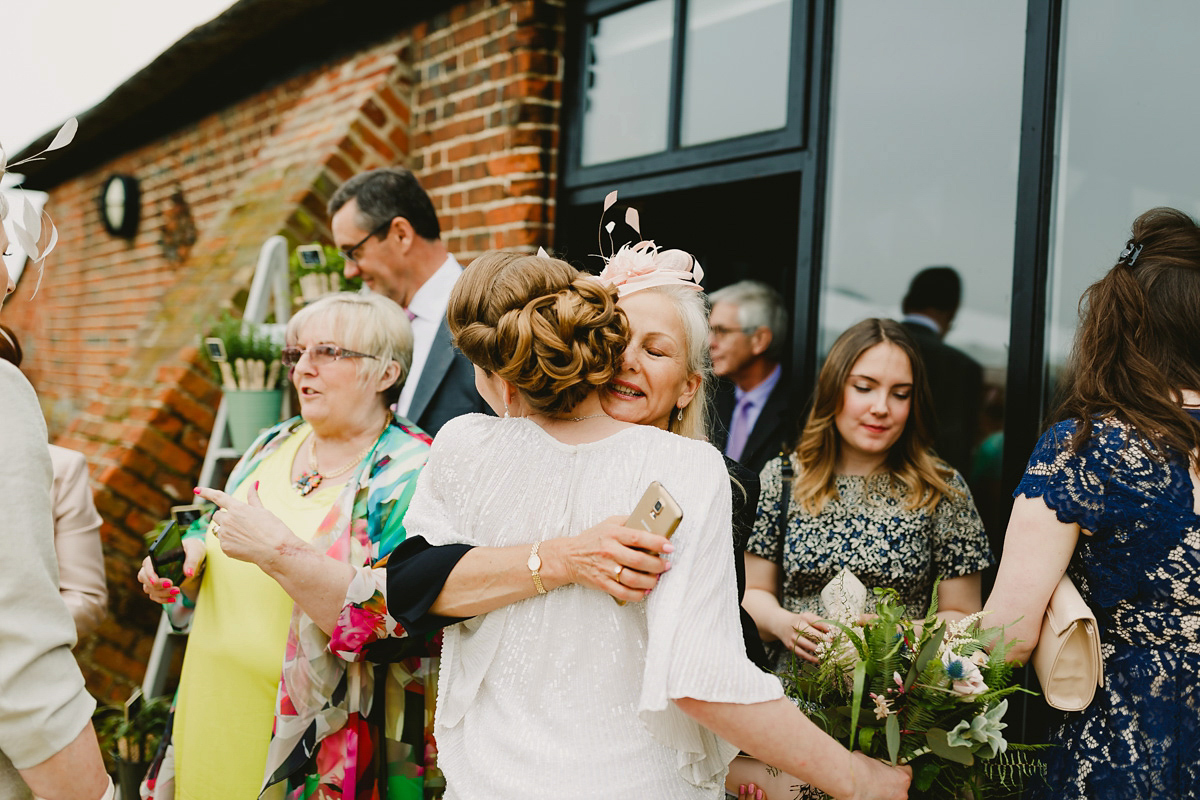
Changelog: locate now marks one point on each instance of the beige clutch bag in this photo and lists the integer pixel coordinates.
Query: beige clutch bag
(1067, 657)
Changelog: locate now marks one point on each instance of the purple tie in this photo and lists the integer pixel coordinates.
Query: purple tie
(739, 429)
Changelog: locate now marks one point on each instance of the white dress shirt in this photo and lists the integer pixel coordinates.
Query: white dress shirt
(428, 307)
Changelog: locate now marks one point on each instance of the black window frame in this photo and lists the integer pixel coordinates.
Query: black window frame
(792, 137)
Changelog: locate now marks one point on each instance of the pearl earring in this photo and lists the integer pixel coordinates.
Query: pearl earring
(506, 411)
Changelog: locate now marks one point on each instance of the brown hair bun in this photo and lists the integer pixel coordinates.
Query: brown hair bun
(552, 331)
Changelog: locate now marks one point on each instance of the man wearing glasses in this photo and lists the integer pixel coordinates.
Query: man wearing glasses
(748, 324)
(385, 226)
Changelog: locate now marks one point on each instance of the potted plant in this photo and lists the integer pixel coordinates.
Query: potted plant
(129, 735)
(317, 270)
(246, 360)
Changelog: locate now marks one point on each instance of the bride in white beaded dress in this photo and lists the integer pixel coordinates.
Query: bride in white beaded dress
(565, 693)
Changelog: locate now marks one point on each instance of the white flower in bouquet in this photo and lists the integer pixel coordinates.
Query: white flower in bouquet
(966, 680)
(982, 732)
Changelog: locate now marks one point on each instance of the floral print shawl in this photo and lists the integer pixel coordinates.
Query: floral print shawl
(323, 744)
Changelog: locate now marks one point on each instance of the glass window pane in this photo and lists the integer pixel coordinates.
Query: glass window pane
(1126, 141)
(923, 171)
(629, 83)
(737, 59)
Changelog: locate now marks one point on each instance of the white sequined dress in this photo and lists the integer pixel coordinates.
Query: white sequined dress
(567, 694)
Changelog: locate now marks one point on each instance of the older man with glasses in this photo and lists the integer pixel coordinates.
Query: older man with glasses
(386, 227)
(748, 325)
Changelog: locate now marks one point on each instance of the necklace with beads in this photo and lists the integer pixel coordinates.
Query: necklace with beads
(308, 481)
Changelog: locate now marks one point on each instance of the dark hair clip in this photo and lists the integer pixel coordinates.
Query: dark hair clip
(1130, 253)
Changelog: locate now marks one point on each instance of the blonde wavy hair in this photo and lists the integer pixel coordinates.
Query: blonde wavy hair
(552, 331)
(915, 472)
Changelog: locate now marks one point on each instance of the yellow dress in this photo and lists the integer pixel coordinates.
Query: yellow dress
(231, 670)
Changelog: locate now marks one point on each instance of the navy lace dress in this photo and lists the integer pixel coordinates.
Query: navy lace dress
(1140, 572)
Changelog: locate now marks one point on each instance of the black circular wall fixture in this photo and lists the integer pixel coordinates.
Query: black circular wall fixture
(120, 205)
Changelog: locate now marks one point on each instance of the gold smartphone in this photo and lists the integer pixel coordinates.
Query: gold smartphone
(657, 512)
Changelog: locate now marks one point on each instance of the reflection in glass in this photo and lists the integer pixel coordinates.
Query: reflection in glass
(923, 163)
(628, 83)
(736, 68)
(1126, 142)
(923, 171)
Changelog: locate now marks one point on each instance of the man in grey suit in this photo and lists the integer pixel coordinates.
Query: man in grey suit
(955, 379)
(385, 226)
(753, 415)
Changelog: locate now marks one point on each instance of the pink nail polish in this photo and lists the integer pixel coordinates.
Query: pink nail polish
(256, 485)
(195, 491)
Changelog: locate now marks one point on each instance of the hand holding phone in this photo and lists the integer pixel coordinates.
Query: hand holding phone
(167, 554)
(657, 513)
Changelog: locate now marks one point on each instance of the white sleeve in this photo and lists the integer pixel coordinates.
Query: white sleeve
(431, 512)
(695, 646)
(43, 703)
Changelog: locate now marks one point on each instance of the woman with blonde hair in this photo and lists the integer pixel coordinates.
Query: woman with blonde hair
(271, 694)
(561, 691)
(868, 496)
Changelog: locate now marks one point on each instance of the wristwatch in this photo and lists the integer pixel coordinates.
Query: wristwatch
(535, 564)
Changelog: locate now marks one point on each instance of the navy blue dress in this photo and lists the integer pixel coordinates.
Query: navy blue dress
(1140, 573)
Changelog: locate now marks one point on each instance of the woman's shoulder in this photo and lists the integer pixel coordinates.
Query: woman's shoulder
(1111, 443)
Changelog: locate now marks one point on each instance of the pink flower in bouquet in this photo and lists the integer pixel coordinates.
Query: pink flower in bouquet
(966, 680)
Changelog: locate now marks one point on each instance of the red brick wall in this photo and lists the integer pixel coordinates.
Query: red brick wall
(469, 100)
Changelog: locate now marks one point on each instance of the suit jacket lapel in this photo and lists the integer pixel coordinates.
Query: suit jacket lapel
(767, 426)
(441, 355)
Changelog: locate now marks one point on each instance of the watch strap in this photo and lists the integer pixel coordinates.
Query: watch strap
(536, 573)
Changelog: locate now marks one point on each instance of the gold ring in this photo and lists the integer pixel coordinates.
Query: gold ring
(620, 569)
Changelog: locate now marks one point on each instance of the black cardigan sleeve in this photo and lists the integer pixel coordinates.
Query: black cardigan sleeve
(416, 574)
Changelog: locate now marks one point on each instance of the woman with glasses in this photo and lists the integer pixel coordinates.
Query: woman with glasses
(265, 692)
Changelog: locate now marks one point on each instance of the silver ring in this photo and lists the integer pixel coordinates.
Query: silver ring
(620, 569)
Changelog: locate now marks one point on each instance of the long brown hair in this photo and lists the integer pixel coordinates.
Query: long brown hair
(910, 461)
(1138, 342)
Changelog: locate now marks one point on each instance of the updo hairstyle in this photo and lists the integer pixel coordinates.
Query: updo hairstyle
(366, 323)
(552, 331)
(1138, 342)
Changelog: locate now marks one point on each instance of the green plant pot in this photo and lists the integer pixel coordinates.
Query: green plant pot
(249, 411)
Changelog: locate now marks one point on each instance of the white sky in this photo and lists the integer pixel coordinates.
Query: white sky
(61, 57)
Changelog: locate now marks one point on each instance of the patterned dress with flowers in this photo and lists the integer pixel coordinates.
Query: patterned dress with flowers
(868, 530)
(1139, 570)
(333, 738)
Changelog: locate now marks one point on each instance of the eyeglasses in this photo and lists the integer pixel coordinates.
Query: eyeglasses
(720, 331)
(319, 355)
(348, 252)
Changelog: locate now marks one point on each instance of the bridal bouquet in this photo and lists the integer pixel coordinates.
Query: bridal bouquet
(922, 693)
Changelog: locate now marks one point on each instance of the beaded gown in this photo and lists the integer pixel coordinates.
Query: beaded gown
(568, 694)
(1139, 570)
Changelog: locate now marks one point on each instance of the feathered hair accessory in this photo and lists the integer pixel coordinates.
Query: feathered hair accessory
(34, 231)
(643, 265)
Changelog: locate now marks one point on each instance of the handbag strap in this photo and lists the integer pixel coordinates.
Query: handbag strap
(785, 474)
